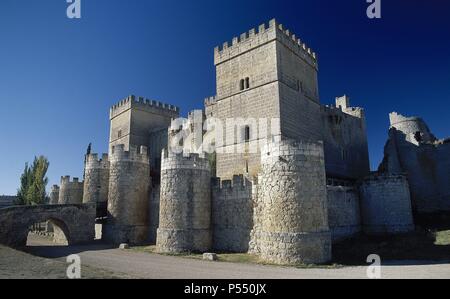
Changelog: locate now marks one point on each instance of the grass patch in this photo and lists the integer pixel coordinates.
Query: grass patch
(442, 238)
(240, 258)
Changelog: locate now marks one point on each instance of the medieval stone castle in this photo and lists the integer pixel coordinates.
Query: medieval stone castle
(307, 185)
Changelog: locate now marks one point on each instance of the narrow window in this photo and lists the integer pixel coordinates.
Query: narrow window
(119, 134)
(247, 83)
(247, 134)
(242, 84)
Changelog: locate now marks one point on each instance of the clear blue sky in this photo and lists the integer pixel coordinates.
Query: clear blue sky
(58, 77)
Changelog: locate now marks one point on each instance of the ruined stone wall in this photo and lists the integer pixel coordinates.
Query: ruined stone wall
(232, 214)
(96, 179)
(54, 195)
(293, 204)
(129, 192)
(386, 204)
(414, 128)
(70, 192)
(344, 214)
(185, 204)
(413, 149)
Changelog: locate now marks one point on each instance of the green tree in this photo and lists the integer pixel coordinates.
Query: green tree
(25, 181)
(33, 182)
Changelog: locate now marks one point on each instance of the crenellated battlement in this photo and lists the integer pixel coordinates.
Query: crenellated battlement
(93, 161)
(170, 160)
(253, 38)
(238, 182)
(143, 103)
(55, 188)
(210, 101)
(134, 154)
(66, 180)
(343, 105)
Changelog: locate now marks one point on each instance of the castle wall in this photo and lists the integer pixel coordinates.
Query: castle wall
(158, 140)
(428, 172)
(300, 116)
(413, 149)
(96, 179)
(185, 204)
(292, 192)
(386, 205)
(232, 214)
(54, 195)
(154, 213)
(70, 192)
(344, 214)
(345, 142)
(254, 104)
(129, 192)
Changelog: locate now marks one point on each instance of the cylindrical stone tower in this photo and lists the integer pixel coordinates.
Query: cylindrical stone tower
(293, 195)
(414, 128)
(386, 205)
(70, 192)
(54, 195)
(185, 206)
(96, 179)
(129, 191)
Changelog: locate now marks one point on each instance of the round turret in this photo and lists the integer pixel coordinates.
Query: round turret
(129, 190)
(293, 199)
(54, 195)
(96, 179)
(185, 206)
(415, 129)
(70, 192)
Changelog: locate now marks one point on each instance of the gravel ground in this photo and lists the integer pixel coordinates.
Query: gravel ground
(145, 265)
(20, 265)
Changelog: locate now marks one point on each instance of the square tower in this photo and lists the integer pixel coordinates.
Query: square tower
(138, 121)
(264, 74)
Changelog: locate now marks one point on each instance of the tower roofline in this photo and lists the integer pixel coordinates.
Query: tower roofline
(253, 39)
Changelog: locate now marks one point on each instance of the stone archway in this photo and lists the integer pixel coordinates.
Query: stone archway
(75, 222)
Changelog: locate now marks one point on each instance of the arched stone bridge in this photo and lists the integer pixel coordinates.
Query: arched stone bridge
(74, 222)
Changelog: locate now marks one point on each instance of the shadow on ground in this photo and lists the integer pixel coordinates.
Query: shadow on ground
(56, 251)
(423, 247)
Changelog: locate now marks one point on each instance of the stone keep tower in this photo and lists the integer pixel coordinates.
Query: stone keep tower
(264, 74)
(96, 179)
(54, 195)
(185, 206)
(70, 192)
(136, 121)
(293, 199)
(129, 190)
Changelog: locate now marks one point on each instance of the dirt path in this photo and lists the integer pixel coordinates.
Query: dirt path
(145, 265)
(19, 265)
